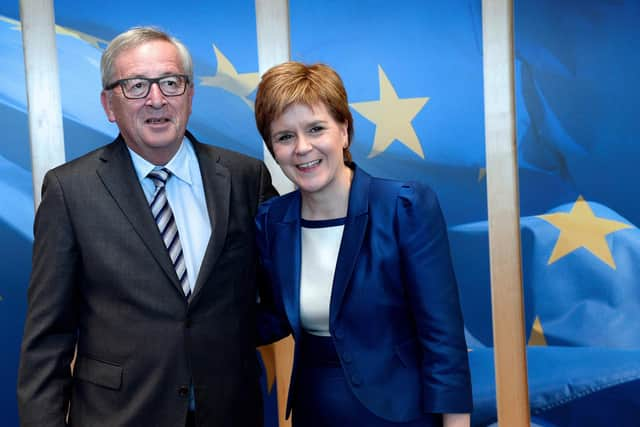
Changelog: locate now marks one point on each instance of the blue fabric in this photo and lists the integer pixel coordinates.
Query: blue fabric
(568, 386)
(325, 398)
(394, 315)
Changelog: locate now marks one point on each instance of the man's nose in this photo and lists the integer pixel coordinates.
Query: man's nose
(156, 98)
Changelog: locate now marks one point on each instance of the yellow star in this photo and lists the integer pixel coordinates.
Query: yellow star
(537, 334)
(16, 24)
(580, 228)
(64, 31)
(96, 42)
(227, 78)
(392, 117)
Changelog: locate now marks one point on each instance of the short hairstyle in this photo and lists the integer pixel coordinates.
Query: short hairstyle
(296, 83)
(135, 37)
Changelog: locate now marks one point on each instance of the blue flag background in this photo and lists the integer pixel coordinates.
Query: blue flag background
(413, 71)
(576, 88)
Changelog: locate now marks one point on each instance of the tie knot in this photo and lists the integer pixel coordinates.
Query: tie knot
(159, 176)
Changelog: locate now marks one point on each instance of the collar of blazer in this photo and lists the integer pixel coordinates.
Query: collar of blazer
(117, 173)
(287, 238)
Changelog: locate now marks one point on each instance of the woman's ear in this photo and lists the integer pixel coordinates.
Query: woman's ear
(344, 131)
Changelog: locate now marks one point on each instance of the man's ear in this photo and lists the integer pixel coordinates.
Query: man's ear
(105, 100)
(190, 93)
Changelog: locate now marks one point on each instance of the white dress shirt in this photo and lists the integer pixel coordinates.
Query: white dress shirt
(185, 193)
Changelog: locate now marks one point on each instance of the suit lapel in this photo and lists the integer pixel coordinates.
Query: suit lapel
(287, 249)
(217, 190)
(286, 253)
(352, 237)
(119, 178)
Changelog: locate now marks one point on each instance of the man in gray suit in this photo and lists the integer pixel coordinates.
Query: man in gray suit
(144, 260)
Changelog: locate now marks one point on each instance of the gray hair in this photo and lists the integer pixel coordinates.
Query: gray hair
(135, 37)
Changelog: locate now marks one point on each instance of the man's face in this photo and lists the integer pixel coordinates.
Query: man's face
(153, 126)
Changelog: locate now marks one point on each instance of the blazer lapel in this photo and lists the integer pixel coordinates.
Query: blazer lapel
(217, 190)
(286, 258)
(119, 178)
(352, 237)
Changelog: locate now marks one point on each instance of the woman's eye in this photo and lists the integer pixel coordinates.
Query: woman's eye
(316, 129)
(284, 138)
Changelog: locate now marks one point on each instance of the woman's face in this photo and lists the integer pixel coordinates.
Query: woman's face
(307, 144)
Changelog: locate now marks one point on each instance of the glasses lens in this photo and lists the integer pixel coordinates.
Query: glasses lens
(135, 88)
(139, 87)
(172, 85)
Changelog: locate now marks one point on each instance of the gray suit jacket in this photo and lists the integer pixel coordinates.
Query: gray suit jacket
(102, 280)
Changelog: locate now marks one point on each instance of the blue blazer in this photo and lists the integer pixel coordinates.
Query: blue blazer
(395, 316)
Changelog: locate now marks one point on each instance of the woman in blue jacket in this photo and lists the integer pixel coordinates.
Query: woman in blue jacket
(360, 268)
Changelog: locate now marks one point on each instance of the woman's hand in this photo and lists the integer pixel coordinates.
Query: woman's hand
(456, 420)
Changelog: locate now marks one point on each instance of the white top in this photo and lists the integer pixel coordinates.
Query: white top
(320, 248)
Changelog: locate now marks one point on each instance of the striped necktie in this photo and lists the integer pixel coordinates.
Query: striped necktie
(167, 225)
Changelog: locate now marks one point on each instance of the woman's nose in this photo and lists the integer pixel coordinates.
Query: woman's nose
(303, 145)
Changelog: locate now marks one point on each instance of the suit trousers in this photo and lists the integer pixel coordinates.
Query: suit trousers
(191, 419)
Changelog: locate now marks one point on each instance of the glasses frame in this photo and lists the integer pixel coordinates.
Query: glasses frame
(156, 80)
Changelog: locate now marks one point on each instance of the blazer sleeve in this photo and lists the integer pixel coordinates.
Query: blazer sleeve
(272, 321)
(433, 298)
(44, 375)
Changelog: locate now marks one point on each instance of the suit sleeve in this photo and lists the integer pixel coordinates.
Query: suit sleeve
(272, 322)
(44, 375)
(433, 297)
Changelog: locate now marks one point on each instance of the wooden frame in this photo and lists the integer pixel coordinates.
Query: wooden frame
(504, 215)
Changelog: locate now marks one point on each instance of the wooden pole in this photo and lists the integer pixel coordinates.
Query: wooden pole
(43, 89)
(272, 25)
(504, 215)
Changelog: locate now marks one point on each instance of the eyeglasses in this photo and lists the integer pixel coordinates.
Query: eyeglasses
(139, 87)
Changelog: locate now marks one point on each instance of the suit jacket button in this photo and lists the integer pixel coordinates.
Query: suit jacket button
(339, 333)
(183, 391)
(356, 380)
(346, 356)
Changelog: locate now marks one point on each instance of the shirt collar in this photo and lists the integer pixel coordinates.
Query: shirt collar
(178, 165)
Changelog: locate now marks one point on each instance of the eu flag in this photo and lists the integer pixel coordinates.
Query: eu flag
(413, 72)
